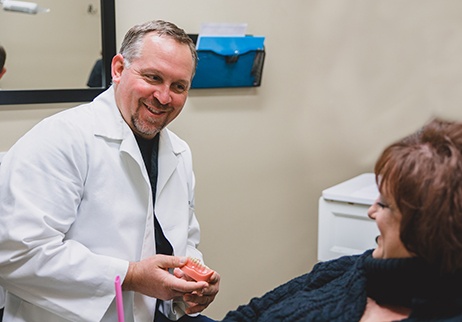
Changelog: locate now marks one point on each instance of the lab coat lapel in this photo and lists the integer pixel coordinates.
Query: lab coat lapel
(167, 162)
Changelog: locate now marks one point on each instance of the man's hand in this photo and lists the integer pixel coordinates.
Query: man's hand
(198, 301)
(151, 277)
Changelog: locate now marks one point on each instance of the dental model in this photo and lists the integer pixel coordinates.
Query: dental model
(196, 270)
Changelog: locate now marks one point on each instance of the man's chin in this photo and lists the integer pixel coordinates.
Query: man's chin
(146, 130)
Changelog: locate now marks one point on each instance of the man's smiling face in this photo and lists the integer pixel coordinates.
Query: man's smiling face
(152, 90)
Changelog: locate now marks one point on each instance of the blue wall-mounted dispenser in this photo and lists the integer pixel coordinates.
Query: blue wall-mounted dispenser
(228, 61)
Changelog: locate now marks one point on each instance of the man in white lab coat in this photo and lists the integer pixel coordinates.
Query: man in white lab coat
(76, 197)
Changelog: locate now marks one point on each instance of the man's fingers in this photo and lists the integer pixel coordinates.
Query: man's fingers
(167, 262)
(215, 278)
(196, 309)
(183, 286)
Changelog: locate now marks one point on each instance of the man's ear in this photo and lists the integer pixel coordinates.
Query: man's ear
(117, 66)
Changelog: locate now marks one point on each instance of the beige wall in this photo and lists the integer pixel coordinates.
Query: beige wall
(341, 80)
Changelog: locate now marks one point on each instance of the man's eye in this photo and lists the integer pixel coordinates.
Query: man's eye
(179, 88)
(153, 78)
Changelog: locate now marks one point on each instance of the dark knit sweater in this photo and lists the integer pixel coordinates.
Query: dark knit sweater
(337, 290)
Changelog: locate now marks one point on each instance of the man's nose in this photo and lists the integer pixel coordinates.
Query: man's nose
(162, 94)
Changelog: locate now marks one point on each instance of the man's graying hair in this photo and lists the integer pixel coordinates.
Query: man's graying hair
(133, 40)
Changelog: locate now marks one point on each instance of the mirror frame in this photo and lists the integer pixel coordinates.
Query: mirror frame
(108, 43)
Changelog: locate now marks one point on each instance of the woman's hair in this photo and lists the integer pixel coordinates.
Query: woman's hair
(133, 40)
(2, 57)
(423, 174)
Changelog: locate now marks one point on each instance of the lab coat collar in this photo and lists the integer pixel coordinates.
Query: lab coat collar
(109, 121)
(118, 129)
(111, 125)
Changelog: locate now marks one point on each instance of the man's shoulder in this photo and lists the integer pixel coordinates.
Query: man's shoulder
(74, 117)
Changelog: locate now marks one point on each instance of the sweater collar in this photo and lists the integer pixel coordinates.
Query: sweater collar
(411, 282)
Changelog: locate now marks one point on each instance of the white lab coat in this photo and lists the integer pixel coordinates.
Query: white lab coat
(76, 207)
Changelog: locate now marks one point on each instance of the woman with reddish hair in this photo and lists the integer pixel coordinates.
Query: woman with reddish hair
(415, 272)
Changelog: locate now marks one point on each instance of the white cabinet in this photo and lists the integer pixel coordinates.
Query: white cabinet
(344, 227)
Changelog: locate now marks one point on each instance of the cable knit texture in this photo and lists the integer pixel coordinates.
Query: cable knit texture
(337, 290)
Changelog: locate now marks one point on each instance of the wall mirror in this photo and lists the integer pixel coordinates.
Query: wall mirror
(50, 55)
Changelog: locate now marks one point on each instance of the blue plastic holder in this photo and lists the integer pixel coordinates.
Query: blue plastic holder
(226, 61)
